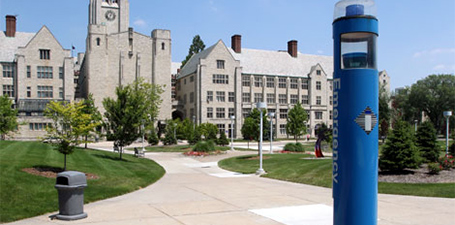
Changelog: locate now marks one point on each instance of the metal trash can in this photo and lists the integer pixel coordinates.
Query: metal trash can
(70, 186)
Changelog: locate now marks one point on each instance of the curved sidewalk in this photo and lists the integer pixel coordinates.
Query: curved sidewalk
(196, 191)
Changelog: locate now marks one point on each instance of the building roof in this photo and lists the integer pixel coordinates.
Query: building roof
(266, 62)
(9, 45)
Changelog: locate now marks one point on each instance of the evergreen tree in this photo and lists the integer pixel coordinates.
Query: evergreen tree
(399, 151)
(248, 129)
(8, 116)
(195, 137)
(426, 141)
(296, 121)
(91, 109)
(170, 133)
(152, 137)
(196, 47)
(223, 139)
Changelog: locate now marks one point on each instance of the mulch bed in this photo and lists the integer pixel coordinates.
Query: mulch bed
(51, 172)
(419, 175)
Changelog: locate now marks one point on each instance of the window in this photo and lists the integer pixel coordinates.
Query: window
(60, 92)
(60, 72)
(283, 129)
(331, 100)
(45, 54)
(258, 81)
(210, 96)
(283, 113)
(209, 112)
(38, 126)
(29, 92)
(184, 99)
(330, 114)
(282, 99)
(282, 83)
(29, 72)
(246, 112)
(44, 72)
(220, 79)
(220, 96)
(191, 112)
(184, 81)
(331, 85)
(192, 79)
(257, 97)
(221, 128)
(163, 46)
(220, 64)
(294, 83)
(305, 84)
(231, 112)
(318, 115)
(98, 41)
(305, 100)
(246, 97)
(294, 99)
(246, 81)
(270, 98)
(191, 97)
(8, 90)
(270, 82)
(8, 70)
(318, 100)
(220, 113)
(318, 72)
(318, 85)
(45, 92)
(231, 97)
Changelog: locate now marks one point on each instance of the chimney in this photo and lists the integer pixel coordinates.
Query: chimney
(236, 43)
(292, 48)
(10, 26)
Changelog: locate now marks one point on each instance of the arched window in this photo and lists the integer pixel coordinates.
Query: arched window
(163, 46)
(98, 41)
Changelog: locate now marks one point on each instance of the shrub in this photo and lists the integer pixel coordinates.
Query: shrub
(223, 139)
(195, 137)
(426, 141)
(399, 151)
(152, 138)
(289, 147)
(434, 168)
(447, 162)
(299, 147)
(452, 149)
(204, 146)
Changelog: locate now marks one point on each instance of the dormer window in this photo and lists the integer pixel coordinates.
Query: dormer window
(318, 72)
(45, 54)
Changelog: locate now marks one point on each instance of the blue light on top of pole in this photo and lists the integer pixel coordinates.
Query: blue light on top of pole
(352, 8)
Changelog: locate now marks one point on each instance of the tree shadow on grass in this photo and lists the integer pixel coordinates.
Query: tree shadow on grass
(401, 172)
(45, 168)
(115, 158)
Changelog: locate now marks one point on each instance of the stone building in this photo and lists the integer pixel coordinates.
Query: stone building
(117, 55)
(36, 70)
(220, 81)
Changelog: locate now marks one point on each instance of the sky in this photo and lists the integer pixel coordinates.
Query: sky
(416, 37)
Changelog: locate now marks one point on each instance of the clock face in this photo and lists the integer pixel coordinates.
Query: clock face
(110, 15)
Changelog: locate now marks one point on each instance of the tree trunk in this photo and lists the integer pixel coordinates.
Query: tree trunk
(64, 164)
(86, 141)
(121, 151)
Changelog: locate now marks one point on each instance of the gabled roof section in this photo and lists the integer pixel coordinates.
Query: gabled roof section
(191, 66)
(280, 63)
(42, 31)
(9, 45)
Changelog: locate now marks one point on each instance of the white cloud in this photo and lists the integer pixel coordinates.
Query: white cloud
(212, 6)
(320, 52)
(439, 67)
(140, 23)
(434, 52)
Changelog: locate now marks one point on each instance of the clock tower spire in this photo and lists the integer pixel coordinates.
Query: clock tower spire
(112, 14)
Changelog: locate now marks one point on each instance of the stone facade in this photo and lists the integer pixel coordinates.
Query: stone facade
(116, 55)
(39, 70)
(220, 82)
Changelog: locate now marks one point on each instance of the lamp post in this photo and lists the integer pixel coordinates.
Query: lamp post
(415, 125)
(260, 106)
(194, 122)
(447, 115)
(271, 116)
(175, 128)
(143, 133)
(232, 132)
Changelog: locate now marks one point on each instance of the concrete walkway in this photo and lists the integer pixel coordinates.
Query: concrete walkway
(195, 191)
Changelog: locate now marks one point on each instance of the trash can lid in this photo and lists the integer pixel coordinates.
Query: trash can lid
(71, 178)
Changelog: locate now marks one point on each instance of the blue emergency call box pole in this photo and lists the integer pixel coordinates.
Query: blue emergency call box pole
(355, 113)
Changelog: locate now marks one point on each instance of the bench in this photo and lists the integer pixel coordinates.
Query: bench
(138, 153)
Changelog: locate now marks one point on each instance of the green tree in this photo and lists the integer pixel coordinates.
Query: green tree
(434, 95)
(8, 116)
(399, 151)
(296, 121)
(209, 131)
(196, 47)
(90, 108)
(251, 126)
(170, 136)
(384, 111)
(427, 142)
(248, 129)
(152, 137)
(69, 123)
(195, 136)
(223, 139)
(137, 104)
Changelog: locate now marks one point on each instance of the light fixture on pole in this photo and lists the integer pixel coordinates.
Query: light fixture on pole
(260, 106)
(232, 132)
(447, 115)
(194, 122)
(415, 125)
(271, 116)
(143, 133)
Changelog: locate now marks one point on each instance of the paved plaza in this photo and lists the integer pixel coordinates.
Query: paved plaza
(195, 191)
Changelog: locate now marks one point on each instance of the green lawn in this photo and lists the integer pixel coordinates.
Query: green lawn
(24, 195)
(178, 148)
(293, 168)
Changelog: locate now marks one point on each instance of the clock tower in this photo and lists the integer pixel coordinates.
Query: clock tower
(112, 15)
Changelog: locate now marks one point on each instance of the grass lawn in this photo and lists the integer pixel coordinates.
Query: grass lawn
(291, 167)
(178, 148)
(24, 195)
